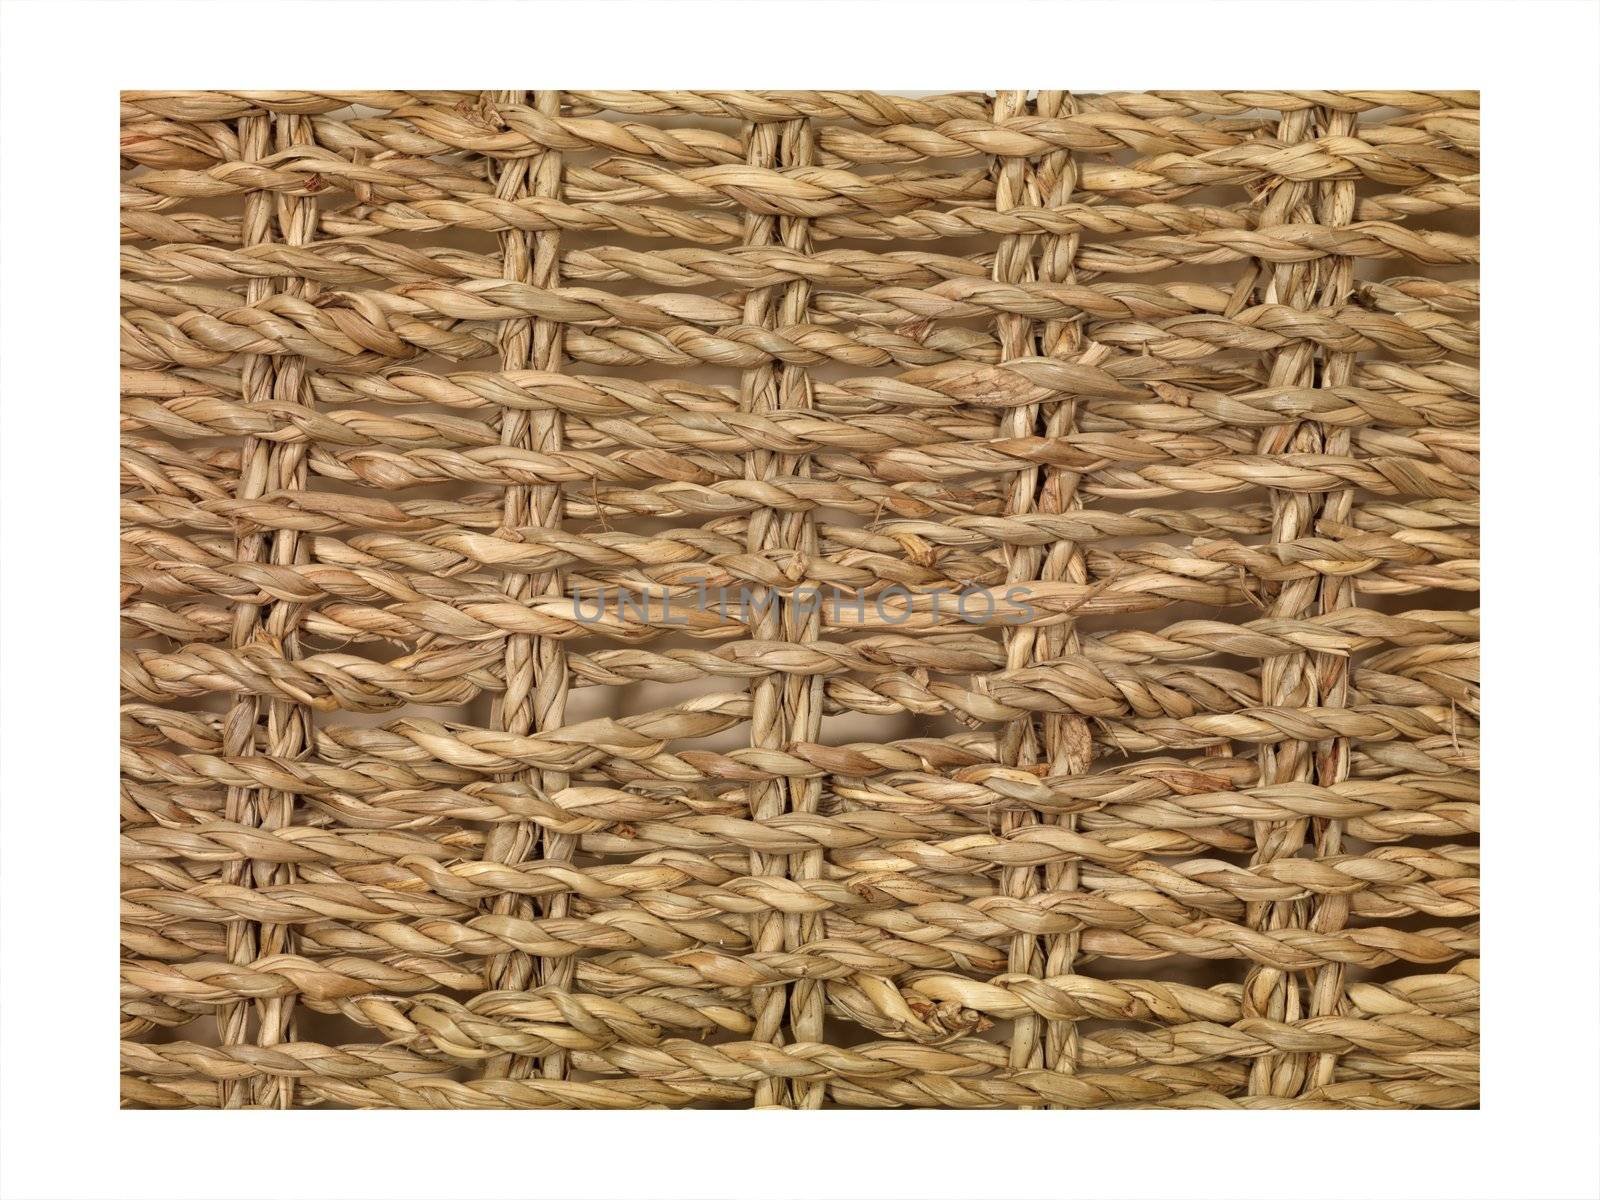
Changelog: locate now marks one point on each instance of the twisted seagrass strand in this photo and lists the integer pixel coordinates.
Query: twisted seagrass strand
(535, 669)
(244, 804)
(287, 725)
(760, 148)
(1268, 992)
(1336, 207)
(1019, 740)
(1067, 743)
(803, 702)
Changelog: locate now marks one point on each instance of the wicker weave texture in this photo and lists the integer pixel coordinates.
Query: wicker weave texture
(1051, 520)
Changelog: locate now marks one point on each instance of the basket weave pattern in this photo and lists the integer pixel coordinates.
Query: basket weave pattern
(1175, 391)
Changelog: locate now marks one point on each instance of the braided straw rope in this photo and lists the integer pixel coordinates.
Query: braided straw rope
(1182, 384)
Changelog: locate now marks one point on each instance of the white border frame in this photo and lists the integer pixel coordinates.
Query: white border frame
(62, 1134)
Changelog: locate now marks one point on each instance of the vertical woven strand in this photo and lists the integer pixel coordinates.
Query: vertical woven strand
(802, 694)
(240, 732)
(548, 505)
(1287, 680)
(1337, 207)
(758, 392)
(1019, 740)
(1068, 746)
(288, 724)
(535, 693)
(512, 841)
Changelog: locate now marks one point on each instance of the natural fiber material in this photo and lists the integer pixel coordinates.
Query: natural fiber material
(1050, 527)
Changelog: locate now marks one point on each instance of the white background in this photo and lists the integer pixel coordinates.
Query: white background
(60, 1130)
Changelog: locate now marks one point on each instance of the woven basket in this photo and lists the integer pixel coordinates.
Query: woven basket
(799, 599)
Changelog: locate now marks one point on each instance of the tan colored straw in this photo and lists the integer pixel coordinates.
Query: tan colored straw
(799, 599)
